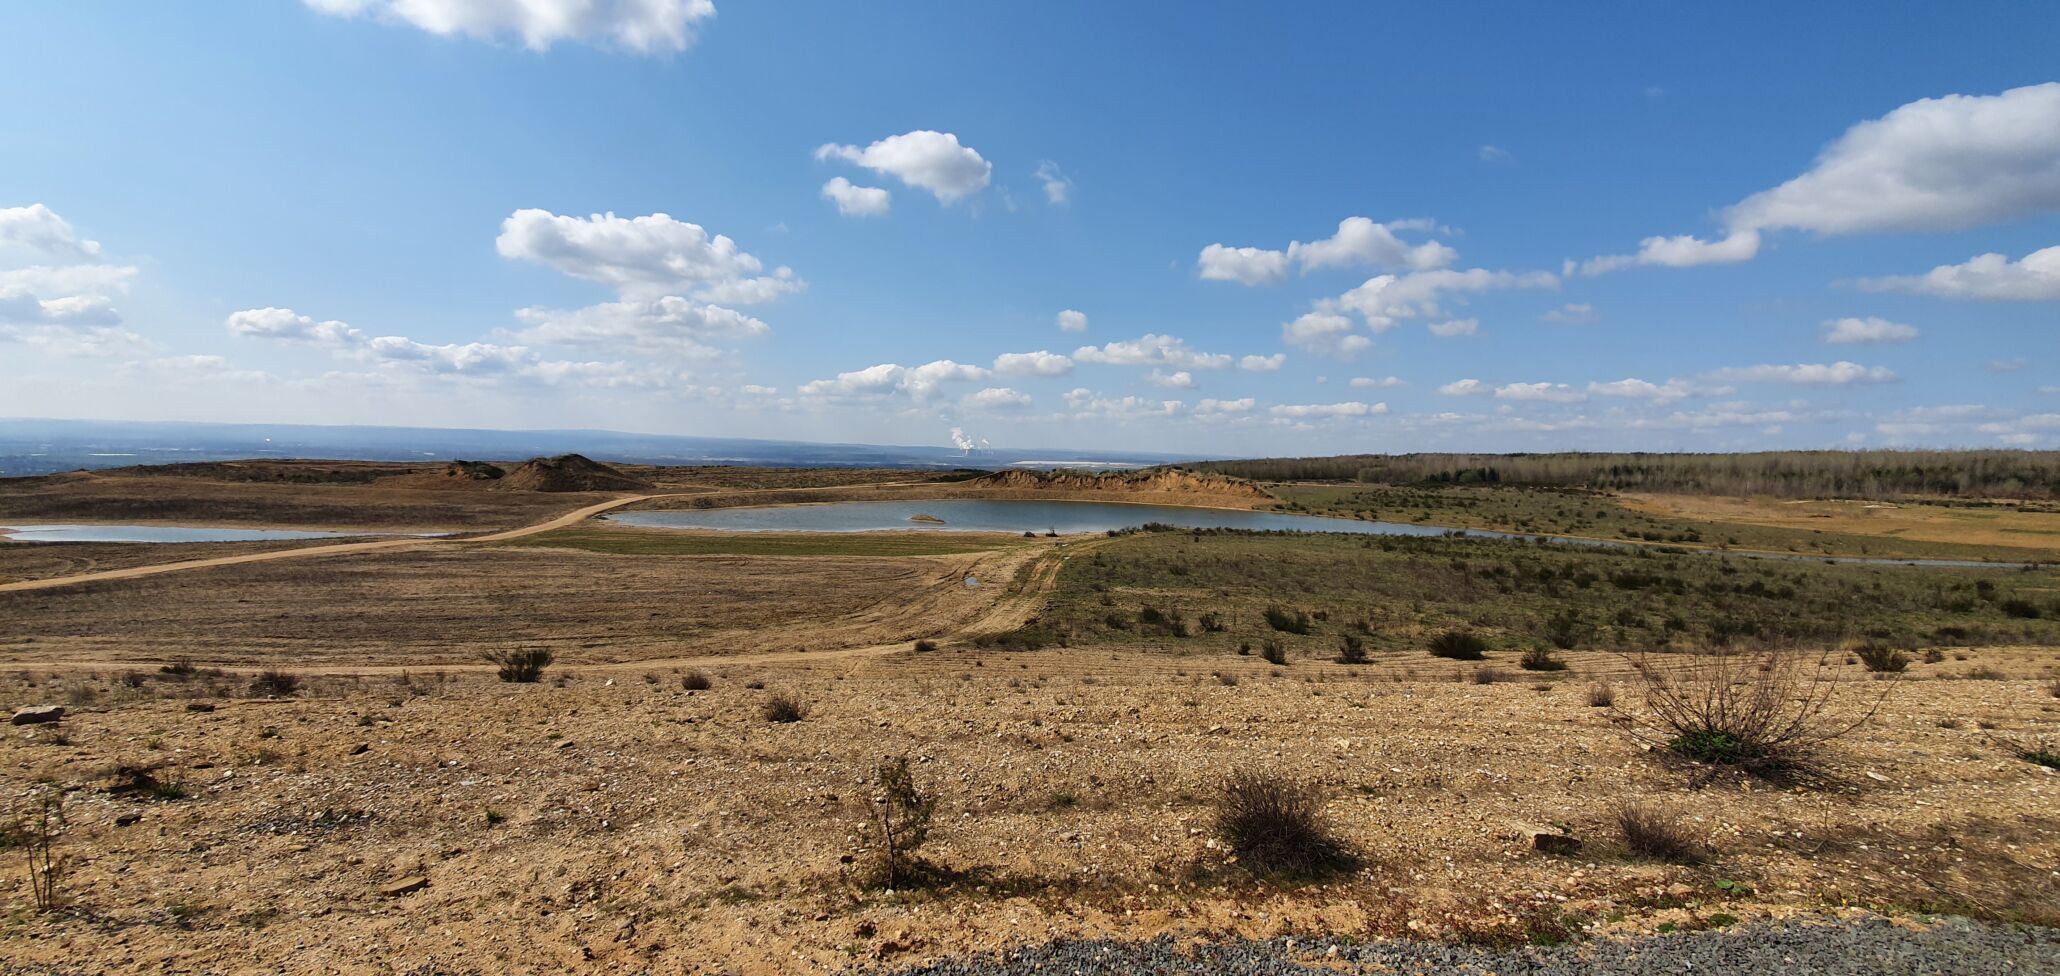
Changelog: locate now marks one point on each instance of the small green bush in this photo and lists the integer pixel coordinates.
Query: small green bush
(1540, 659)
(1459, 645)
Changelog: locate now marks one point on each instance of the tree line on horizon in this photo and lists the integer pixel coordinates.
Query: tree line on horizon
(1873, 474)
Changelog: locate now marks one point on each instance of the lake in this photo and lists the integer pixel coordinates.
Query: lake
(982, 515)
(1071, 518)
(156, 533)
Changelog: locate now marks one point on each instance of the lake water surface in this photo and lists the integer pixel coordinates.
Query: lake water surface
(983, 515)
(1070, 518)
(156, 533)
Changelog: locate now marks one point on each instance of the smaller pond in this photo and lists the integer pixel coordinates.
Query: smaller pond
(157, 533)
(1072, 518)
(983, 515)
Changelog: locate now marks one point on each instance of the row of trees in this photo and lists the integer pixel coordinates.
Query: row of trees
(1789, 474)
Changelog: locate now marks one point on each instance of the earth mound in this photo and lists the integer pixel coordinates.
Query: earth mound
(1161, 481)
(568, 472)
(473, 471)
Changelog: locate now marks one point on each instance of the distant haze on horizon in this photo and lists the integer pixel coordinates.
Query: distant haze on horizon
(1181, 229)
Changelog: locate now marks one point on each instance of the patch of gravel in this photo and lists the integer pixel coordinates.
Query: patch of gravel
(1867, 947)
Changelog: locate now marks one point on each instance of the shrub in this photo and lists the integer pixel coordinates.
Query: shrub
(524, 666)
(1601, 695)
(2020, 608)
(925, 646)
(902, 812)
(180, 669)
(1655, 832)
(1934, 656)
(1296, 622)
(1540, 659)
(1763, 712)
(1351, 649)
(278, 684)
(1881, 658)
(1226, 679)
(1564, 630)
(1273, 652)
(1275, 825)
(1213, 623)
(1488, 676)
(1459, 645)
(37, 831)
(695, 681)
(782, 708)
(2053, 687)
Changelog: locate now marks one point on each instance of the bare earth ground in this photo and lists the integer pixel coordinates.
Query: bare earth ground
(610, 820)
(1979, 525)
(447, 605)
(622, 824)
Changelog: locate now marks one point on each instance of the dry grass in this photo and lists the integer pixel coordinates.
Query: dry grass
(1275, 826)
(1655, 831)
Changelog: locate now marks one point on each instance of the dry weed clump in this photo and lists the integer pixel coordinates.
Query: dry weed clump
(1459, 645)
(1657, 832)
(524, 666)
(782, 708)
(695, 681)
(1275, 826)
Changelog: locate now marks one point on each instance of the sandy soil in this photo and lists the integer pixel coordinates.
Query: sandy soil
(621, 824)
(447, 605)
(1997, 525)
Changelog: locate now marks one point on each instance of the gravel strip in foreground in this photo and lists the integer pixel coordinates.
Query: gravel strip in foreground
(1869, 947)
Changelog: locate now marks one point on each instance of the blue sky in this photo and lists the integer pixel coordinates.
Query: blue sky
(1517, 227)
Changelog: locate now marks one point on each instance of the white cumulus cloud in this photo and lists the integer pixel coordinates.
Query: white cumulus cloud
(853, 200)
(1994, 277)
(1039, 363)
(1840, 373)
(1072, 321)
(638, 25)
(1151, 350)
(925, 159)
(1244, 265)
(1865, 331)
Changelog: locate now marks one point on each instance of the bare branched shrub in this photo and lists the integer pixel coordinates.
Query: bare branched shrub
(695, 681)
(277, 684)
(523, 666)
(35, 830)
(1351, 649)
(1657, 832)
(1601, 695)
(1763, 711)
(1275, 825)
(1273, 652)
(902, 812)
(1485, 675)
(782, 708)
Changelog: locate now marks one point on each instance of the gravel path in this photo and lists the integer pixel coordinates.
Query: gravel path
(1872, 947)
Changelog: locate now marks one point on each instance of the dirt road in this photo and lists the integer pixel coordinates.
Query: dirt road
(348, 548)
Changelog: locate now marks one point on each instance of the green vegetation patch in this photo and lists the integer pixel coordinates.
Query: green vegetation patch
(1397, 593)
(1592, 515)
(666, 542)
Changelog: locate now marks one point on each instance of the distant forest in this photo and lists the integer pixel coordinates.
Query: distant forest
(1788, 474)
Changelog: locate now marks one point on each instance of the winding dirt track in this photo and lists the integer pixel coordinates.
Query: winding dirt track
(348, 548)
(338, 549)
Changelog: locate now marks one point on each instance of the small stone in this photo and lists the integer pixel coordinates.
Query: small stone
(404, 886)
(1549, 840)
(199, 707)
(128, 820)
(37, 714)
(360, 749)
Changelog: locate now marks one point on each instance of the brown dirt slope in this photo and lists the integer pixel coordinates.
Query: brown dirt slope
(568, 472)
